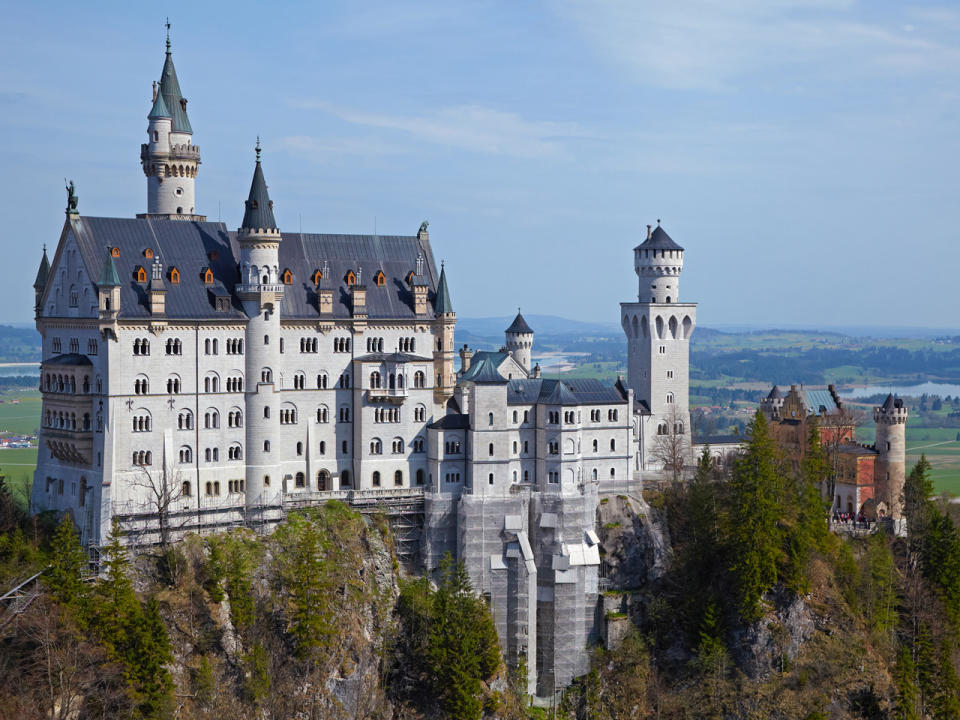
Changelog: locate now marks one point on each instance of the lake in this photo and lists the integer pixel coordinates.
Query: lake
(928, 388)
(11, 370)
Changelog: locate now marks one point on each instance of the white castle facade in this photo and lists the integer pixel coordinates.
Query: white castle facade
(195, 378)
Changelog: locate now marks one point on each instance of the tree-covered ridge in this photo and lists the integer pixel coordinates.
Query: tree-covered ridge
(302, 622)
(849, 627)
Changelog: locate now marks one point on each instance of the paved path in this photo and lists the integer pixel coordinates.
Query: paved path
(923, 447)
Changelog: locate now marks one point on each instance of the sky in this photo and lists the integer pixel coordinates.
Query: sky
(804, 153)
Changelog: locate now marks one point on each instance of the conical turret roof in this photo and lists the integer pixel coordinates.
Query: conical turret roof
(159, 109)
(172, 97)
(519, 326)
(258, 213)
(659, 240)
(442, 305)
(109, 276)
(42, 272)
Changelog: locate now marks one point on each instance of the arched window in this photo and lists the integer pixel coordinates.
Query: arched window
(299, 448)
(323, 414)
(398, 478)
(322, 381)
(287, 277)
(613, 445)
(345, 478)
(300, 480)
(186, 454)
(266, 375)
(266, 446)
(380, 279)
(141, 274)
(489, 418)
(351, 278)
(323, 480)
(174, 276)
(375, 380)
(376, 478)
(420, 477)
(419, 379)
(376, 447)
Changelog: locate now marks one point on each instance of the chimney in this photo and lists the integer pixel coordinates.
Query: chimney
(536, 370)
(359, 296)
(420, 296)
(325, 301)
(466, 355)
(649, 231)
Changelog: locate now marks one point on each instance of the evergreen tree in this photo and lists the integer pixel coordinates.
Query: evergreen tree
(755, 538)
(877, 585)
(917, 507)
(68, 565)
(117, 609)
(147, 659)
(946, 703)
(941, 561)
(905, 679)
(927, 666)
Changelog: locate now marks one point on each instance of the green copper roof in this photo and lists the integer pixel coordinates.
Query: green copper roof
(159, 108)
(259, 208)
(172, 97)
(109, 276)
(43, 272)
(442, 305)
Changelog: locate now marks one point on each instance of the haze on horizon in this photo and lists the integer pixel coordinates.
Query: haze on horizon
(804, 153)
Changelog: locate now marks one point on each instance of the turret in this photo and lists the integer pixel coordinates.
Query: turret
(108, 292)
(772, 403)
(446, 320)
(658, 262)
(891, 444)
(519, 338)
(170, 159)
(41, 282)
(261, 292)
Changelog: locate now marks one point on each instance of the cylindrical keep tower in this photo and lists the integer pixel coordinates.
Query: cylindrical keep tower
(658, 262)
(519, 343)
(261, 292)
(891, 443)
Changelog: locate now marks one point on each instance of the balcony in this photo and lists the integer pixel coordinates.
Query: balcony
(388, 396)
(70, 446)
(253, 289)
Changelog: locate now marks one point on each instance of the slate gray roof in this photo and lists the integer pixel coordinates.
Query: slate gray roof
(452, 421)
(258, 209)
(659, 240)
(69, 359)
(519, 326)
(719, 440)
(479, 358)
(42, 272)
(172, 97)
(775, 393)
(443, 304)
(191, 246)
(890, 403)
(818, 401)
(575, 391)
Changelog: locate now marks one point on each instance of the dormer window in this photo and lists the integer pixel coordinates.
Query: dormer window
(115, 252)
(351, 278)
(174, 276)
(287, 277)
(410, 276)
(148, 253)
(380, 279)
(208, 277)
(140, 274)
(317, 277)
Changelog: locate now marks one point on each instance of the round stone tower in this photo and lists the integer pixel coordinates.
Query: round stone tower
(519, 339)
(658, 262)
(891, 443)
(169, 158)
(261, 293)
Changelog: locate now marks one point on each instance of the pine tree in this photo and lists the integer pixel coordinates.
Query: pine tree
(117, 609)
(147, 659)
(946, 703)
(917, 506)
(905, 679)
(755, 538)
(927, 666)
(68, 565)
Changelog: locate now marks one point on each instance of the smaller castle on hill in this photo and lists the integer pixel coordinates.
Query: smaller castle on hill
(869, 478)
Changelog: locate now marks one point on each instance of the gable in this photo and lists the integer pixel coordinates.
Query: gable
(69, 291)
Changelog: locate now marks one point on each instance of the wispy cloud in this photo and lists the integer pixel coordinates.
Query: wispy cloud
(713, 43)
(468, 127)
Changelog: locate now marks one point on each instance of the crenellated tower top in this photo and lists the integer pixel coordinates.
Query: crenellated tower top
(658, 262)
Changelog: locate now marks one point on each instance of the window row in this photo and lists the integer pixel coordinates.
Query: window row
(397, 446)
(67, 383)
(141, 346)
(386, 415)
(664, 428)
(66, 421)
(58, 483)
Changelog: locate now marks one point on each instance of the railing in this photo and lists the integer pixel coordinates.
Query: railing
(258, 288)
(375, 394)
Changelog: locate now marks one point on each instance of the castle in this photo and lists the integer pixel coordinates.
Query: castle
(196, 378)
(869, 479)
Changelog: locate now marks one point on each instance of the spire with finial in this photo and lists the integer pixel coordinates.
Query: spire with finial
(168, 35)
(43, 272)
(258, 213)
(169, 88)
(442, 305)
